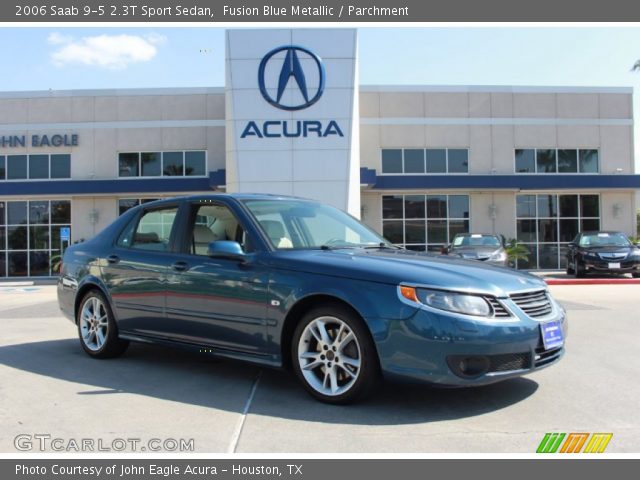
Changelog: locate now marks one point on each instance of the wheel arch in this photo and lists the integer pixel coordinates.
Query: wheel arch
(300, 308)
(86, 286)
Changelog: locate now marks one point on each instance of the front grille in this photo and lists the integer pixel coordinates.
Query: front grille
(498, 309)
(612, 257)
(535, 304)
(509, 361)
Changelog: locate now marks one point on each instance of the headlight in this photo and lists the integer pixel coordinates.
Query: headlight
(499, 256)
(448, 301)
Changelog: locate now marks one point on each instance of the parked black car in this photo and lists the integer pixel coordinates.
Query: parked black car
(479, 246)
(602, 252)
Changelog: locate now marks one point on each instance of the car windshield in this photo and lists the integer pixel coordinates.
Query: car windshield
(298, 224)
(604, 240)
(476, 240)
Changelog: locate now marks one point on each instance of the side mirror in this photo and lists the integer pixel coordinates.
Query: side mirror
(226, 249)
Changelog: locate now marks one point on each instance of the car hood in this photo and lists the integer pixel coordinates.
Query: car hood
(475, 252)
(402, 266)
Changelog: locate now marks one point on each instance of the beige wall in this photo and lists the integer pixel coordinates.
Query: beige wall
(617, 212)
(99, 142)
(493, 124)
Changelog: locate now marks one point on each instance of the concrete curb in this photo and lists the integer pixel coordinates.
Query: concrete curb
(592, 281)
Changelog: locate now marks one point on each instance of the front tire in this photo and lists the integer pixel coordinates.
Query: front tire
(570, 270)
(581, 272)
(97, 328)
(333, 355)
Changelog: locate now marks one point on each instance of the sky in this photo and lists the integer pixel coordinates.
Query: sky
(102, 57)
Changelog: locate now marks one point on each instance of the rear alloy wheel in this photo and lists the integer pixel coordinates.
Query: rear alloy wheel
(97, 329)
(334, 356)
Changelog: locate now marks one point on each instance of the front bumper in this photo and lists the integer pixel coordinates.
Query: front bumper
(602, 266)
(429, 347)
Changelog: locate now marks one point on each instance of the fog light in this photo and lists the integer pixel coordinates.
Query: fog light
(468, 367)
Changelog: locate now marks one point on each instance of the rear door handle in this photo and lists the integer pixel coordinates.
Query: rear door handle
(113, 259)
(180, 266)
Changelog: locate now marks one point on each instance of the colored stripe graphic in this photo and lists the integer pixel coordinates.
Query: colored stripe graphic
(598, 442)
(550, 442)
(574, 443)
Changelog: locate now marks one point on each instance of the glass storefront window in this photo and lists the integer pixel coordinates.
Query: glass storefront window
(546, 223)
(391, 161)
(16, 167)
(194, 164)
(30, 236)
(61, 166)
(418, 161)
(546, 161)
(562, 160)
(414, 206)
(38, 166)
(436, 160)
(128, 164)
(16, 213)
(458, 160)
(589, 161)
(414, 161)
(173, 164)
(392, 206)
(151, 163)
(567, 161)
(424, 222)
(125, 204)
(526, 160)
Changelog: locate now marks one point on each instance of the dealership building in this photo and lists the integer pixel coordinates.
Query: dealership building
(416, 163)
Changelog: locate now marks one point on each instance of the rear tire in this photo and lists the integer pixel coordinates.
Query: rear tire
(333, 355)
(635, 275)
(97, 328)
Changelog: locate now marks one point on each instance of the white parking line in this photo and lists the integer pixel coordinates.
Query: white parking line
(235, 438)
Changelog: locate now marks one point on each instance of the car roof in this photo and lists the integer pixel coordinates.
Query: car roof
(472, 234)
(237, 196)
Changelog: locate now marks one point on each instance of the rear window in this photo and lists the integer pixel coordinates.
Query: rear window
(477, 241)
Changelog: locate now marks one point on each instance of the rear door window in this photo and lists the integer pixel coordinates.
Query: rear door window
(152, 232)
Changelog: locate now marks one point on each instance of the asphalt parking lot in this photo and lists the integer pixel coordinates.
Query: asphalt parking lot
(49, 386)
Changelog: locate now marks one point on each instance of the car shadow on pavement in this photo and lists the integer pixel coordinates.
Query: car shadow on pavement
(190, 378)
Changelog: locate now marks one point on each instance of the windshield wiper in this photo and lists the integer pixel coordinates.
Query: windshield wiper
(380, 246)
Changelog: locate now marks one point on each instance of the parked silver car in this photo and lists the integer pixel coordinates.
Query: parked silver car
(479, 246)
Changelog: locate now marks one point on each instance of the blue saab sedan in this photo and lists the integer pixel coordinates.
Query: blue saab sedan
(288, 282)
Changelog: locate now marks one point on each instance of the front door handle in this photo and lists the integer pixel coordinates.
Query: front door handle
(113, 259)
(180, 266)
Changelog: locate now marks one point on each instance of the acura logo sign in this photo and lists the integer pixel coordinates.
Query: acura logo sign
(292, 70)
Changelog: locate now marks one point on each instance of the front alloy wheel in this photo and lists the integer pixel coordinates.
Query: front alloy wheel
(97, 329)
(334, 356)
